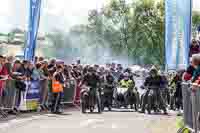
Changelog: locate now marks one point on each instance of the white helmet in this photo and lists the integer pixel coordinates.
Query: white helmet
(126, 74)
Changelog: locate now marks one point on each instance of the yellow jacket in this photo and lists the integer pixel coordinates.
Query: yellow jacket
(126, 83)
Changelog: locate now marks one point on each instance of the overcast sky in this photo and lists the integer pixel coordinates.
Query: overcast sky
(55, 13)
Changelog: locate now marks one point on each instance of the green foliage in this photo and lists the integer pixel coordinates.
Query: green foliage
(195, 22)
(137, 28)
(126, 27)
(134, 29)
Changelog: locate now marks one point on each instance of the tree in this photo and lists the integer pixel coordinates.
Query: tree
(134, 28)
(195, 22)
(131, 28)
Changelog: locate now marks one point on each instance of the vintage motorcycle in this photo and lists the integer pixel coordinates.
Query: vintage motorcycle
(90, 99)
(107, 96)
(126, 96)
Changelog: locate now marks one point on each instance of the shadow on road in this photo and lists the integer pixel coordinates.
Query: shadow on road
(120, 110)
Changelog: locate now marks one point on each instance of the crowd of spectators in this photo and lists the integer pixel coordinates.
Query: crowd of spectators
(40, 70)
(44, 71)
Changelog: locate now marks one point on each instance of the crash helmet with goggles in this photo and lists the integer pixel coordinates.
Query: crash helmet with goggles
(91, 70)
(126, 75)
(153, 71)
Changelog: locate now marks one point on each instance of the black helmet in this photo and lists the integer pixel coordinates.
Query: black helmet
(91, 69)
(153, 70)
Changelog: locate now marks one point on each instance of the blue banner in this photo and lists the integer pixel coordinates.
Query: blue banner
(177, 33)
(33, 91)
(33, 25)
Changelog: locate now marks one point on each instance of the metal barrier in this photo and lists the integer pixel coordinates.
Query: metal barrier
(29, 98)
(10, 95)
(191, 106)
(69, 92)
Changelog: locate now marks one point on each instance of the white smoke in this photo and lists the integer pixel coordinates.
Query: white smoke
(99, 52)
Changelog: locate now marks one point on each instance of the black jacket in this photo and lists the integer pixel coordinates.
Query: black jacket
(153, 82)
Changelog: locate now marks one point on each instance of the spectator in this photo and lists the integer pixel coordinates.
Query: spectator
(192, 67)
(9, 64)
(44, 85)
(3, 73)
(66, 72)
(78, 62)
(1, 68)
(58, 81)
(16, 66)
(36, 60)
(41, 59)
(194, 48)
(85, 69)
(52, 67)
(196, 63)
(24, 70)
(36, 72)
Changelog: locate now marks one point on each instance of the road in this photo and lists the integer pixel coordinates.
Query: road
(74, 122)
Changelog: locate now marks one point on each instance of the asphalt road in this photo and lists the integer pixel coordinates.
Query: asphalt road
(72, 121)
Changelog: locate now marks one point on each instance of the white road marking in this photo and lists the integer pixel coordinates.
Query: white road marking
(114, 126)
(12, 122)
(88, 122)
(4, 125)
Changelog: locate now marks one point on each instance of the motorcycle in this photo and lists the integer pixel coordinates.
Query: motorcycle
(134, 98)
(125, 96)
(120, 98)
(155, 101)
(107, 96)
(152, 100)
(90, 98)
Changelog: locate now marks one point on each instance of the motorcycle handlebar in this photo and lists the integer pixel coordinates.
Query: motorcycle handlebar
(152, 87)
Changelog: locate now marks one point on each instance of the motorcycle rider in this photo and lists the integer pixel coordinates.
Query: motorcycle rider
(153, 94)
(177, 80)
(101, 74)
(128, 83)
(92, 80)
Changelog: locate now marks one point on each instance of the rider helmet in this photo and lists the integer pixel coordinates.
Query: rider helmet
(91, 69)
(126, 75)
(153, 71)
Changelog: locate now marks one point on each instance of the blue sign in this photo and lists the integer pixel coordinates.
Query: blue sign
(177, 33)
(33, 91)
(33, 25)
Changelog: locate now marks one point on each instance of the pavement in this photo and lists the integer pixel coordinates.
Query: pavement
(117, 121)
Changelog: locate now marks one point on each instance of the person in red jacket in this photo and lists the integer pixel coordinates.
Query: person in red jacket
(3, 73)
(193, 70)
(195, 61)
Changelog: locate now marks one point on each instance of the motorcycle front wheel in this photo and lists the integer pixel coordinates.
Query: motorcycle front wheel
(99, 105)
(83, 107)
